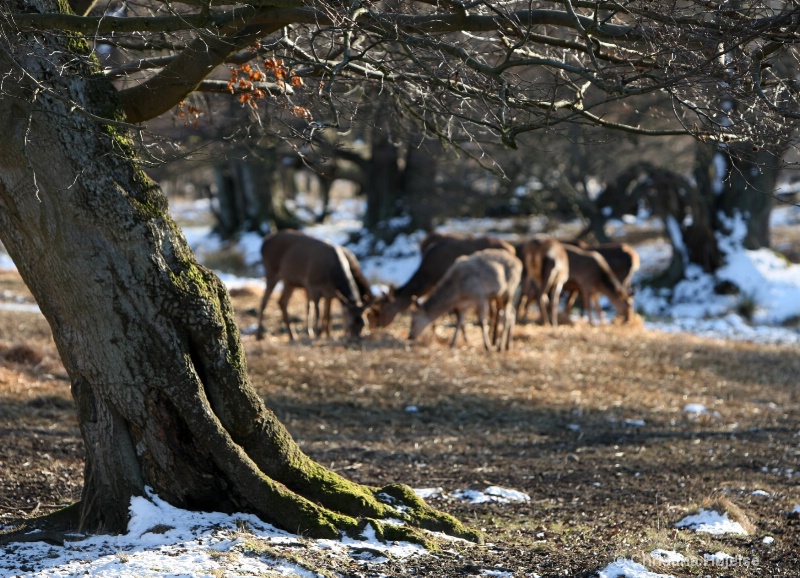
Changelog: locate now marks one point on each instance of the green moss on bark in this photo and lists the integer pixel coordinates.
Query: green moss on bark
(418, 513)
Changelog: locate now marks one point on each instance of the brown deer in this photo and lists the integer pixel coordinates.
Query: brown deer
(623, 260)
(439, 252)
(546, 271)
(621, 257)
(590, 275)
(480, 280)
(323, 269)
(364, 290)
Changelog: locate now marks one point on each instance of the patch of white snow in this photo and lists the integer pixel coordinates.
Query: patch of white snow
(711, 522)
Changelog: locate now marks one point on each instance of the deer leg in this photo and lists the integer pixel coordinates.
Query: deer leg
(463, 325)
(464, 332)
(544, 301)
(555, 298)
(502, 311)
(267, 292)
(512, 321)
(600, 315)
(484, 329)
(313, 325)
(508, 328)
(522, 308)
(284, 303)
(326, 317)
(308, 315)
(530, 288)
(494, 314)
(459, 327)
(572, 296)
(586, 302)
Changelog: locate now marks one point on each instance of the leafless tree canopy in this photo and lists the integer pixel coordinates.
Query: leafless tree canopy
(476, 68)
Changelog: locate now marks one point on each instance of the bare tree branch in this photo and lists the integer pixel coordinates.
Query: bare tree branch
(500, 68)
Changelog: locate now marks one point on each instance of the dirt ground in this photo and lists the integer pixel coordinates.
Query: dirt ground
(590, 422)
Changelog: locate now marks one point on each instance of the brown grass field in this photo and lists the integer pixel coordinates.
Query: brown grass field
(588, 421)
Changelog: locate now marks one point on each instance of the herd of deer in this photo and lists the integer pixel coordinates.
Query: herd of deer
(457, 274)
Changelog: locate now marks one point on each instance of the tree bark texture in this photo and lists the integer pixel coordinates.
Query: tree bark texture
(146, 333)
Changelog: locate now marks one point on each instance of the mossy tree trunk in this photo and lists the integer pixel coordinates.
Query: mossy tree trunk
(146, 334)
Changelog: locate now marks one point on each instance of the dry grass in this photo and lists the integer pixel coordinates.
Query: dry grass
(724, 505)
(589, 421)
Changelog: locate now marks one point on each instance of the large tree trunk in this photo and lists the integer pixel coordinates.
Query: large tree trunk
(146, 334)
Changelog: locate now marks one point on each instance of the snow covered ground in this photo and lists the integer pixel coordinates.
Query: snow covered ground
(168, 542)
(165, 541)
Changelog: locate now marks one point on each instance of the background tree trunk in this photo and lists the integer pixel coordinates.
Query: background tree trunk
(739, 182)
(398, 188)
(383, 182)
(729, 185)
(147, 334)
(419, 184)
(251, 196)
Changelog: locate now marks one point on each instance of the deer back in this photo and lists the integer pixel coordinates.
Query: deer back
(589, 272)
(439, 254)
(321, 268)
(545, 262)
(482, 275)
(622, 258)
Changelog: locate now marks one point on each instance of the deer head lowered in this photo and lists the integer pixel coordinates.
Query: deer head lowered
(325, 270)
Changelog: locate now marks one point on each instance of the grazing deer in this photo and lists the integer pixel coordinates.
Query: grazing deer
(439, 252)
(364, 290)
(590, 275)
(479, 280)
(621, 257)
(546, 271)
(623, 260)
(323, 269)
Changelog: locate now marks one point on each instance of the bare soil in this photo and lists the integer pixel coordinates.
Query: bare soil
(588, 421)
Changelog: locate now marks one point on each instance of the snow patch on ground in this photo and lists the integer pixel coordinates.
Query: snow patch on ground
(667, 556)
(624, 568)
(495, 494)
(711, 522)
(169, 542)
(491, 494)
